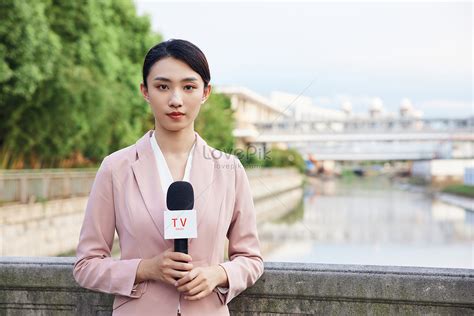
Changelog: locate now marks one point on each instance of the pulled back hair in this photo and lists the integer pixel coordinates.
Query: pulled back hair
(179, 49)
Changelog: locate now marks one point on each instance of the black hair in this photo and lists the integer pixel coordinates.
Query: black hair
(181, 50)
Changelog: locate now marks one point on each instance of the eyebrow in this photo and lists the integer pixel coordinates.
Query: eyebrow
(168, 80)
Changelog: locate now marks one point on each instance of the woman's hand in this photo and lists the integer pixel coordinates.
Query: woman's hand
(201, 281)
(166, 267)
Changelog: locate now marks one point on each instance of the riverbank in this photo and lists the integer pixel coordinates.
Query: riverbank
(447, 196)
(53, 226)
(460, 190)
(456, 200)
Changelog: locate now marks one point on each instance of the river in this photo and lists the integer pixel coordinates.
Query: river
(370, 221)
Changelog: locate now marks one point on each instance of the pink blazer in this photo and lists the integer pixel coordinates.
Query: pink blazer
(126, 196)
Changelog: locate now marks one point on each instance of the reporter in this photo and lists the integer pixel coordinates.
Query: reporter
(128, 195)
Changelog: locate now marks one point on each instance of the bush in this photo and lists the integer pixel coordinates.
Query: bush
(275, 158)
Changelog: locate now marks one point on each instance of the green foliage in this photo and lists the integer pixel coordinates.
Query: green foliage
(28, 51)
(69, 75)
(215, 122)
(285, 158)
(273, 158)
(460, 189)
(348, 175)
(250, 158)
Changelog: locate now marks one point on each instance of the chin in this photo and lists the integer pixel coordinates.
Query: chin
(175, 127)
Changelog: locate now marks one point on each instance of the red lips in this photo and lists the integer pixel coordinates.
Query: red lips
(175, 114)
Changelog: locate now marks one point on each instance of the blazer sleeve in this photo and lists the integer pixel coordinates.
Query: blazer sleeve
(94, 268)
(246, 263)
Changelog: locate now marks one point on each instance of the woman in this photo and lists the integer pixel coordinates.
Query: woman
(129, 195)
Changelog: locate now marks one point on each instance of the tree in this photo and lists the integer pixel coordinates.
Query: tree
(215, 122)
(70, 85)
(28, 53)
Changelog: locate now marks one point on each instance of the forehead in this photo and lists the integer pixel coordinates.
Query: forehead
(173, 69)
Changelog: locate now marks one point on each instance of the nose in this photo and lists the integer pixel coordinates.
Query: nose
(175, 100)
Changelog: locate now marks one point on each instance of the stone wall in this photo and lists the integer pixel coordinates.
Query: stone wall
(45, 286)
(41, 229)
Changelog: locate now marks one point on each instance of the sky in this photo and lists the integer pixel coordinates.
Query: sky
(333, 51)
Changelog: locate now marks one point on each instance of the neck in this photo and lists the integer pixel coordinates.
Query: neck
(175, 142)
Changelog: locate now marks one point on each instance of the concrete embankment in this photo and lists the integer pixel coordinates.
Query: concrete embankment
(51, 228)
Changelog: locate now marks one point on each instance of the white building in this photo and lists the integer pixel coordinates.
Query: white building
(249, 109)
(302, 107)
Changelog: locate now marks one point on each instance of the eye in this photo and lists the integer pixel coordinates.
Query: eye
(188, 87)
(162, 87)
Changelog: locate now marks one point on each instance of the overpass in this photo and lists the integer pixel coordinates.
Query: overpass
(370, 138)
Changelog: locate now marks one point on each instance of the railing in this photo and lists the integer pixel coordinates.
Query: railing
(49, 184)
(371, 125)
(45, 286)
(44, 184)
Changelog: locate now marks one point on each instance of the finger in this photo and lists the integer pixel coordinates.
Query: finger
(169, 280)
(179, 256)
(190, 285)
(198, 296)
(176, 265)
(199, 288)
(187, 278)
(174, 274)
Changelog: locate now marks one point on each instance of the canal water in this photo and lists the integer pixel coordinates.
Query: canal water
(370, 221)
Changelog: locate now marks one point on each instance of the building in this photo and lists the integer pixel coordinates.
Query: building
(250, 109)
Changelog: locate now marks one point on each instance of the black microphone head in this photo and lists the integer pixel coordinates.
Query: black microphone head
(180, 196)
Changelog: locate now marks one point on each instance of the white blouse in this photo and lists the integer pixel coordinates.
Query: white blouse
(165, 174)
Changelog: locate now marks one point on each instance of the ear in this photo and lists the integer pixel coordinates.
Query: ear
(206, 94)
(144, 92)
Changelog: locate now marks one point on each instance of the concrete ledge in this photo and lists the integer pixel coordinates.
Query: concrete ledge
(45, 286)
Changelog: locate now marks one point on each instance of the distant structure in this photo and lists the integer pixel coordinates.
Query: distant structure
(302, 108)
(341, 134)
(407, 109)
(252, 109)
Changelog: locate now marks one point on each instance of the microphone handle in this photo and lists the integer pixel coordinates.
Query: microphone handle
(181, 245)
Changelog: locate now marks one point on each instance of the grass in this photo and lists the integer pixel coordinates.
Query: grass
(460, 189)
(348, 175)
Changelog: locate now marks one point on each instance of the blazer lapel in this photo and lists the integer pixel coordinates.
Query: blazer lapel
(148, 179)
(201, 178)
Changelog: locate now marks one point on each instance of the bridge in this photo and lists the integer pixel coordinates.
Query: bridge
(369, 138)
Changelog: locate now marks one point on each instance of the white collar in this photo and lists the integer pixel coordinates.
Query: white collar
(164, 172)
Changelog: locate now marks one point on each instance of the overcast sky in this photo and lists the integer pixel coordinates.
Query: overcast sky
(336, 51)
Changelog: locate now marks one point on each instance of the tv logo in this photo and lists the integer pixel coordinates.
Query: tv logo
(181, 221)
(180, 224)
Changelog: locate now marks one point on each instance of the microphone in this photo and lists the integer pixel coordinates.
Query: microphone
(180, 197)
